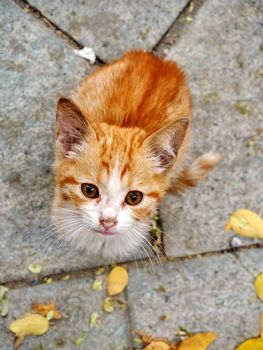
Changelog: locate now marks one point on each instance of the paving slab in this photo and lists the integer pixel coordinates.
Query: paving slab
(76, 301)
(221, 51)
(111, 27)
(36, 68)
(212, 293)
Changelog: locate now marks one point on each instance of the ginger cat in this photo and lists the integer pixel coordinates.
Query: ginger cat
(122, 142)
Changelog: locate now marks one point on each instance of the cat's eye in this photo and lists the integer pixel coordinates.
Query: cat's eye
(133, 197)
(90, 191)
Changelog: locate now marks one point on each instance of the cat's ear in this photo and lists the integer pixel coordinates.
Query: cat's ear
(165, 143)
(71, 125)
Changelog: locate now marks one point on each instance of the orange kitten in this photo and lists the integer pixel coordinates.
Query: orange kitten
(122, 141)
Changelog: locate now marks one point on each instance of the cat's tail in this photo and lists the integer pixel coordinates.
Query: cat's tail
(197, 171)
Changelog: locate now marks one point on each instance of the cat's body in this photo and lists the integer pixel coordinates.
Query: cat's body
(122, 143)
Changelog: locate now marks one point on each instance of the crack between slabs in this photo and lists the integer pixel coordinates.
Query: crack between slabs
(26, 7)
(142, 263)
(175, 30)
(130, 330)
(237, 259)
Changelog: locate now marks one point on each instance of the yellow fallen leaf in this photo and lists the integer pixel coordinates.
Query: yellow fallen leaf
(261, 325)
(188, 19)
(259, 286)
(49, 280)
(30, 324)
(117, 280)
(4, 301)
(94, 319)
(191, 7)
(65, 278)
(81, 339)
(183, 332)
(108, 305)
(137, 341)
(246, 223)
(35, 268)
(199, 341)
(97, 284)
(50, 315)
(99, 271)
(251, 344)
(158, 345)
(45, 309)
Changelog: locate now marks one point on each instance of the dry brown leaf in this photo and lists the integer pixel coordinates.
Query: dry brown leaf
(158, 345)
(259, 286)
(45, 309)
(246, 223)
(199, 341)
(117, 280)
(30, 324)
(147, 339)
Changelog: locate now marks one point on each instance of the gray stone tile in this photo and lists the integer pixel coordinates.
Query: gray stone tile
(213, 293)
(76, 301)
(251, 261)
(36, 68)
(111, 27)
(221, 51)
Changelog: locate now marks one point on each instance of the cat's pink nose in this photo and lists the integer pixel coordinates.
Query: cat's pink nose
(108, 223)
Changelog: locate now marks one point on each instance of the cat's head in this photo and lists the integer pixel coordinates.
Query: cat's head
(109, 180)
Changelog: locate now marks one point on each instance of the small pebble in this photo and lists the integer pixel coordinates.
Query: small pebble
(34, 282)
(235, 242)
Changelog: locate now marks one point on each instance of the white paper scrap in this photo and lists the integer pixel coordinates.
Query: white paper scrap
(87, 53)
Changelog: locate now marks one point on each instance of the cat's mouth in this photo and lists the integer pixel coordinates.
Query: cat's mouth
(106, 232)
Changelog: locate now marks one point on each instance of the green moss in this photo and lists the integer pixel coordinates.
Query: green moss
(211, 97)
(59, 342)
(241, 108)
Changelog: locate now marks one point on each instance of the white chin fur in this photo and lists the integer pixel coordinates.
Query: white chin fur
(129, 239)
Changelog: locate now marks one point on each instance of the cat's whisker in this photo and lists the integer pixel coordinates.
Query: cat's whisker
(174, 240)
(138, 249)
(68, 236)
(67, 224)
(155, 254)
(142, 240)
(53, 245)
(42, 239)
(59, 241)
(160, 245)
(61, 211)
(71, 219)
